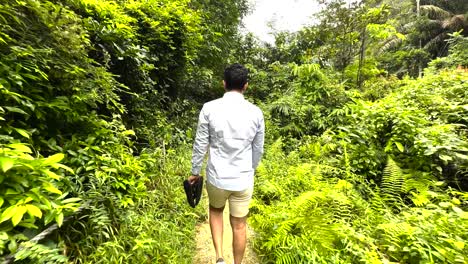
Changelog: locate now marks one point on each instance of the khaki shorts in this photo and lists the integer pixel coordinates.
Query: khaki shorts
(238, 200)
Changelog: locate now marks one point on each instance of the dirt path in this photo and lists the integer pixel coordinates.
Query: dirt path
(205, 248)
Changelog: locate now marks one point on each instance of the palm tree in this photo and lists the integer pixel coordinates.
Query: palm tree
(429, 28)
(440, 23)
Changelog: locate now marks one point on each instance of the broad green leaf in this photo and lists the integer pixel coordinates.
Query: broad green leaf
(388, 147)
(10, 191)
(1, 201)
(46, 203)
(13, 245)
(6, 163)
(58, 165)
(445, 204)
(52, 189)
(457, 210)
(54, 159)
(445, 157)
(22, 132)
(52, 175)
(461, 156)
(459, 244)
(400, 146)
(128, 132)
(110, 170)
(456, 201)
(27, 157)
(34, 210)
(71, 200)
(49, 217)
(430, 151)
(15, 110)
(440, 183)
(20, 147)
(28, 225)
(19, 212)
(8, 213)
(59, 219)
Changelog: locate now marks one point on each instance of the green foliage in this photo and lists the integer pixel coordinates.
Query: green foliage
(392, 184)
(158, 227)
(73, 76)
(303, 213)
(377, 88)
(39, 253)
(220, 45)
(147, 45)
(458, 54)
(400, 123)
(99, 100)
(29, 195)
(383, 179)
(307, 106)
(425, 29)
(441, 19)
(369, 71)
(269, 83)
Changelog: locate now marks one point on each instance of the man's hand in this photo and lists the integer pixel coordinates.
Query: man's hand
(193, 179)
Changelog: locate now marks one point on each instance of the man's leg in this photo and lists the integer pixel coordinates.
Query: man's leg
(216, 225)
(238, 225)
(217, 199)
(239, 209)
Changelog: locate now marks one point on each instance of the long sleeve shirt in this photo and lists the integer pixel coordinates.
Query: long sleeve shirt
(232, 130)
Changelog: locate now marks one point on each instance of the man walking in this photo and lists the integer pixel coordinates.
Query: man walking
(233, 130)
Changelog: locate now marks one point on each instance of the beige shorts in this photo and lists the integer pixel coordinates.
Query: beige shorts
(238, 200)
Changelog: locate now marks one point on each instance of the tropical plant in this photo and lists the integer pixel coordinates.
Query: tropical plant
(440, 23)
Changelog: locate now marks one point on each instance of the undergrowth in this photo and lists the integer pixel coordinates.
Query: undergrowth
(308, 212)
(159, 227)
(387, 184)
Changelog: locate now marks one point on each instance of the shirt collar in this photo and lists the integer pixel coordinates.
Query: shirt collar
(233, 95)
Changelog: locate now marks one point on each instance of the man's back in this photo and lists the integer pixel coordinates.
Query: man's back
(235, 131)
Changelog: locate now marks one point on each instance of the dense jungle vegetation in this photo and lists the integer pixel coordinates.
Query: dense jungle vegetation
(366, 112)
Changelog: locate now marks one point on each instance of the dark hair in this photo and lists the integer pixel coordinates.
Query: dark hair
(235, 76)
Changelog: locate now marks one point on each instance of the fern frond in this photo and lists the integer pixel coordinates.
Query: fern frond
(38, 253)
(406, 28)
(420, 182)
(392, 183)
(420, 199)
(393, 232)
(389, 44)
(435, 41)
(285, 256)
(281, 234)
(435, 12)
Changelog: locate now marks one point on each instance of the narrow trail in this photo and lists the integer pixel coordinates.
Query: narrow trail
(205, 248)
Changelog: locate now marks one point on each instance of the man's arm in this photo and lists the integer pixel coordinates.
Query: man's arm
(200, 145)
(257, 144)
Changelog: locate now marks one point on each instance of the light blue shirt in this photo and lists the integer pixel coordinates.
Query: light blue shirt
(233, 130)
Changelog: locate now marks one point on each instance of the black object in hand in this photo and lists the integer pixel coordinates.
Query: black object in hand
(193, 191)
